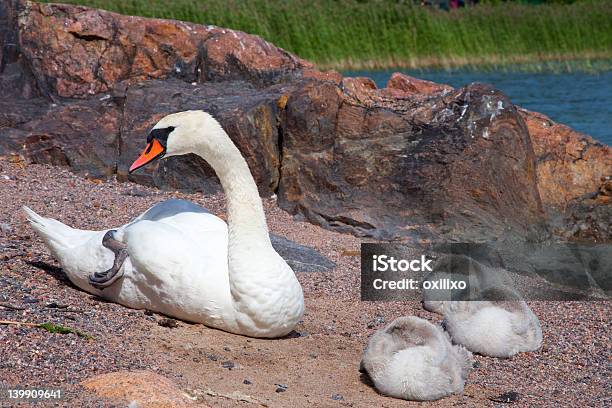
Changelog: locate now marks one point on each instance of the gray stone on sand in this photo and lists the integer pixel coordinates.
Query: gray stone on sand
(301, 258)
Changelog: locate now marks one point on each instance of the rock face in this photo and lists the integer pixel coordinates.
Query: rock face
(81, 87)
(569, 164)
(589, 218)
(573, 173)
(98, 77)
(77, 51)
(383, 168)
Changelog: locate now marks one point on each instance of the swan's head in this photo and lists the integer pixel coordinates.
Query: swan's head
(182, 133)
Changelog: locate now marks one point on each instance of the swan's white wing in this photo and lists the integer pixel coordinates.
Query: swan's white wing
(179, 267)
(191, 222)
(180, 228)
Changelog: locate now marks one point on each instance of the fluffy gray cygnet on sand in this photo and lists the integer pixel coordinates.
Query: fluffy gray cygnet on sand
(413, 359)
(489, 317)
(495, 328)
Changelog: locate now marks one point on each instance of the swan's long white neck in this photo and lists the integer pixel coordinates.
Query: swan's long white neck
(255, 269)
(246, 217)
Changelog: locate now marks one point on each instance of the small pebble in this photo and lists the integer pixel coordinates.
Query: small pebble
(507, 397)
(377, 321)
(136, 193)
(170, 323)
(55, 305)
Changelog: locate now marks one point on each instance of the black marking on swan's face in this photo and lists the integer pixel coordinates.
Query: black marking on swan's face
(161, 135)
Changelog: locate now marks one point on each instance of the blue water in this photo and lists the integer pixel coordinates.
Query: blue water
(582, 101)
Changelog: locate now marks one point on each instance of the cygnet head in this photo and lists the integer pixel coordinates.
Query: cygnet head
(410, 331)
(183, 133)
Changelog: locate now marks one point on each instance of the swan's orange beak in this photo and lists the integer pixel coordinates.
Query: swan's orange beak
(154, 150)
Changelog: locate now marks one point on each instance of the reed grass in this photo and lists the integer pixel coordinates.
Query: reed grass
(374, 34)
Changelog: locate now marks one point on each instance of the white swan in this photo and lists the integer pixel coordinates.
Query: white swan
(413, 359)
(180, 260)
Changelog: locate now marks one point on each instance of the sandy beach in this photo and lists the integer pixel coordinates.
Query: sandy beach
(317, 365)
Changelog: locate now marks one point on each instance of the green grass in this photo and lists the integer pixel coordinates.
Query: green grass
(365, 34)
(56, 328)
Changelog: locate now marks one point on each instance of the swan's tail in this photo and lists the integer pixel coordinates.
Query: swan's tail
(57, 236)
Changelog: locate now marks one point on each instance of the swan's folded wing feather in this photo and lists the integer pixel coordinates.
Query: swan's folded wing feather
(170, 208)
